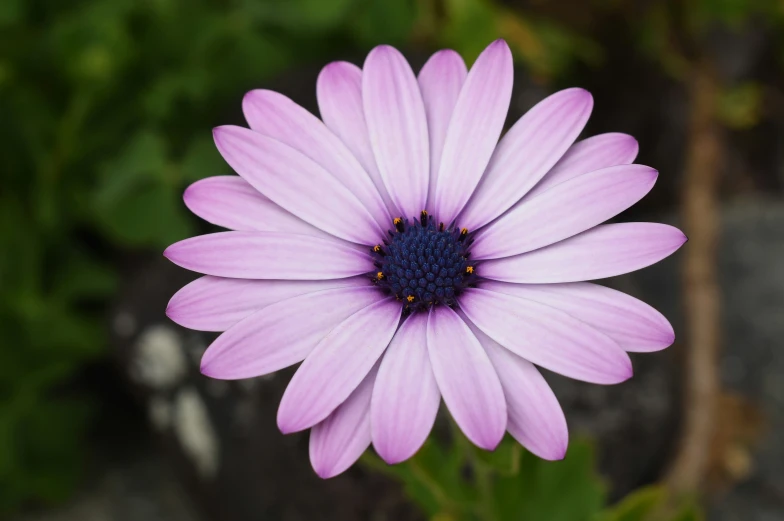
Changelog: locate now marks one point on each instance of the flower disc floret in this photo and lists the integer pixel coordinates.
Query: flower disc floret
(424, 264)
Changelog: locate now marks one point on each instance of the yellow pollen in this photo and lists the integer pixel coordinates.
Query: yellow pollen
(464, 231)
(469, 269)
(424, 212)
(376, 248)
(410, 298)
(380, 275)
(396, 220)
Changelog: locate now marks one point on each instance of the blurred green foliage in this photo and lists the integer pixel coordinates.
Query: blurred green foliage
(458, 482)
(106, 108)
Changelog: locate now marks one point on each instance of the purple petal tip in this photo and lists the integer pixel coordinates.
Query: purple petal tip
(586, 97)
(325, 471)
(220, 131)
(489, 444)
(561, 454)
(285, 426)
(500, 47)
(336, 67)
(204, 365)
(443, 52)
(382, 49)
(168, 252)
(628, 373)
(556, 453)
(653, 176)
(187, 195)
(391, 457)
(170, 311)
(250, 94)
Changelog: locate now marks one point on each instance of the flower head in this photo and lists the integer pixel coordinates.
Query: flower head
(404, 254)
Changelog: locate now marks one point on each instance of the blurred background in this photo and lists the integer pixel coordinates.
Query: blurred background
(106, 108)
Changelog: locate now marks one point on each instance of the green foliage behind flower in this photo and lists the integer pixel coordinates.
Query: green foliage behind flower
(458, 482)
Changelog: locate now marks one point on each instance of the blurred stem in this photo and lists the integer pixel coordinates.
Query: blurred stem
(430, 483)
(421, 474)
(701, 292)
(64, 141)
(484, 484)
(483, 475)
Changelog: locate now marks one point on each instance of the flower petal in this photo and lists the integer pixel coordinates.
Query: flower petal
(339, 93)
(466, 378)
(632, 323)
(269, 255)
(405, 396)
(547, 337)
(215, 303)
(535, 417)
(337, 442)
(297, 183)
(604, 251)
(565, 210)
(337, 365)
(476, 124)
(593, 153)
(278, 117)
(231, 202)
(531, 147)
(397, 125)
(283, 333)
(440, 81)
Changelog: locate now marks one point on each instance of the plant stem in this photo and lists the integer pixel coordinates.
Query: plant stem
(483, 475)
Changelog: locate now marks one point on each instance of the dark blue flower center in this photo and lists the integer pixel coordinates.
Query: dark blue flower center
(423, 264)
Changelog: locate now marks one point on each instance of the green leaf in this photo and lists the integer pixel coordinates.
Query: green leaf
(470, 26)
(636, 506)
(505, 459)
(302, 16)
(567, 490)
(63, 333)
(731, 12)
(740, 107)
(201, 160)
(432, 478)
(383, 21)
(11, 11)
(447, 480)
(45, 437)
(82, 277)
(8, 458)
(562, 48)
(153, 216)
(690, 513)
(141, 161)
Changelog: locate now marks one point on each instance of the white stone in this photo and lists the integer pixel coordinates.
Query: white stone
(195, 432)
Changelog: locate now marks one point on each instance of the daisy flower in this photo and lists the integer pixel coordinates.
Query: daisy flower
(404, 254)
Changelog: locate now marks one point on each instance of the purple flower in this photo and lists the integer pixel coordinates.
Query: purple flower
(404, 254)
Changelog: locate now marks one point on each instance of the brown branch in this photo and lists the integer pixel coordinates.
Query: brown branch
(701, 296)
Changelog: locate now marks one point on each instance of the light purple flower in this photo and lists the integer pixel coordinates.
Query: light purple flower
(404, 254)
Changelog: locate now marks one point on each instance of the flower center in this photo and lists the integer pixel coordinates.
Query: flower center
(423, 264)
